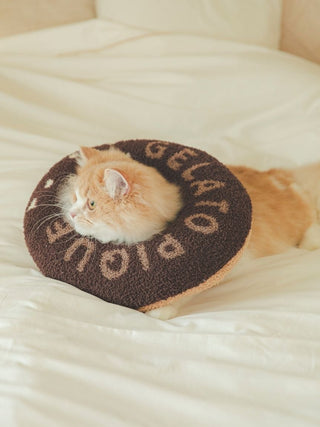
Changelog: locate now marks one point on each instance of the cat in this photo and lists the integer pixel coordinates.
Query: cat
(114, 198)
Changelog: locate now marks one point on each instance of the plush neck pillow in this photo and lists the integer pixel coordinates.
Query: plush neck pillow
(192, 254)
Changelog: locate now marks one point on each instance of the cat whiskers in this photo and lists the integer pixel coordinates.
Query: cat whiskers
(75, 236)
(63, 242)
(42, 221)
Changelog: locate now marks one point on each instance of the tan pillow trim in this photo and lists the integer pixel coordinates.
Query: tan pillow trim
(212, 281)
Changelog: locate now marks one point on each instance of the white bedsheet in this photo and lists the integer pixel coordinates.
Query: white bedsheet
(246, 353)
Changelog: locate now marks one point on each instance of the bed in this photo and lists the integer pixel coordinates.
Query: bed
(244, 353)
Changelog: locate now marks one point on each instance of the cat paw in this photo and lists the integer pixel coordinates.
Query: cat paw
(311, 239)
(163, 313)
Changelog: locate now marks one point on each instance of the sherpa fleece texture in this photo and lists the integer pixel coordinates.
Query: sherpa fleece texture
(193, 253)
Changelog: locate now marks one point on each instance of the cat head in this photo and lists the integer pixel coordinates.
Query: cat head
(115, 198)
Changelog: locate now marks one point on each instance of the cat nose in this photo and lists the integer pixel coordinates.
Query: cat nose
(73, 214)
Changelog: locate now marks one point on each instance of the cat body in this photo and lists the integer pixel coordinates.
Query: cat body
(282, 210)
(285, 213)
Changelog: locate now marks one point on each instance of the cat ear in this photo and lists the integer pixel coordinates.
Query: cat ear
(85, 154)
(115, 183)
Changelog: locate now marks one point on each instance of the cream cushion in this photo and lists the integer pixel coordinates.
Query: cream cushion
(247, 21)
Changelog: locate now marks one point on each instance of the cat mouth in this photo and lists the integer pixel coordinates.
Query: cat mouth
(83, 221)
(74, 220)
(83, 228)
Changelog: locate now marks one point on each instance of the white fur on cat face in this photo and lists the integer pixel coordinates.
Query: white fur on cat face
(114, 198)
(77, 213)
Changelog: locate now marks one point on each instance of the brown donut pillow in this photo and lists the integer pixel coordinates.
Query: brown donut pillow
(192, 254)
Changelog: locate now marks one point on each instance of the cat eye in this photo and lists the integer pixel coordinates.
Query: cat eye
(91, 204)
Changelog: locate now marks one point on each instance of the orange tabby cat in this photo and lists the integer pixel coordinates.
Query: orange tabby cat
(115, 198)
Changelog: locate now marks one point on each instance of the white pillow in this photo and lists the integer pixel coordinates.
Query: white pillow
(247, 21)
